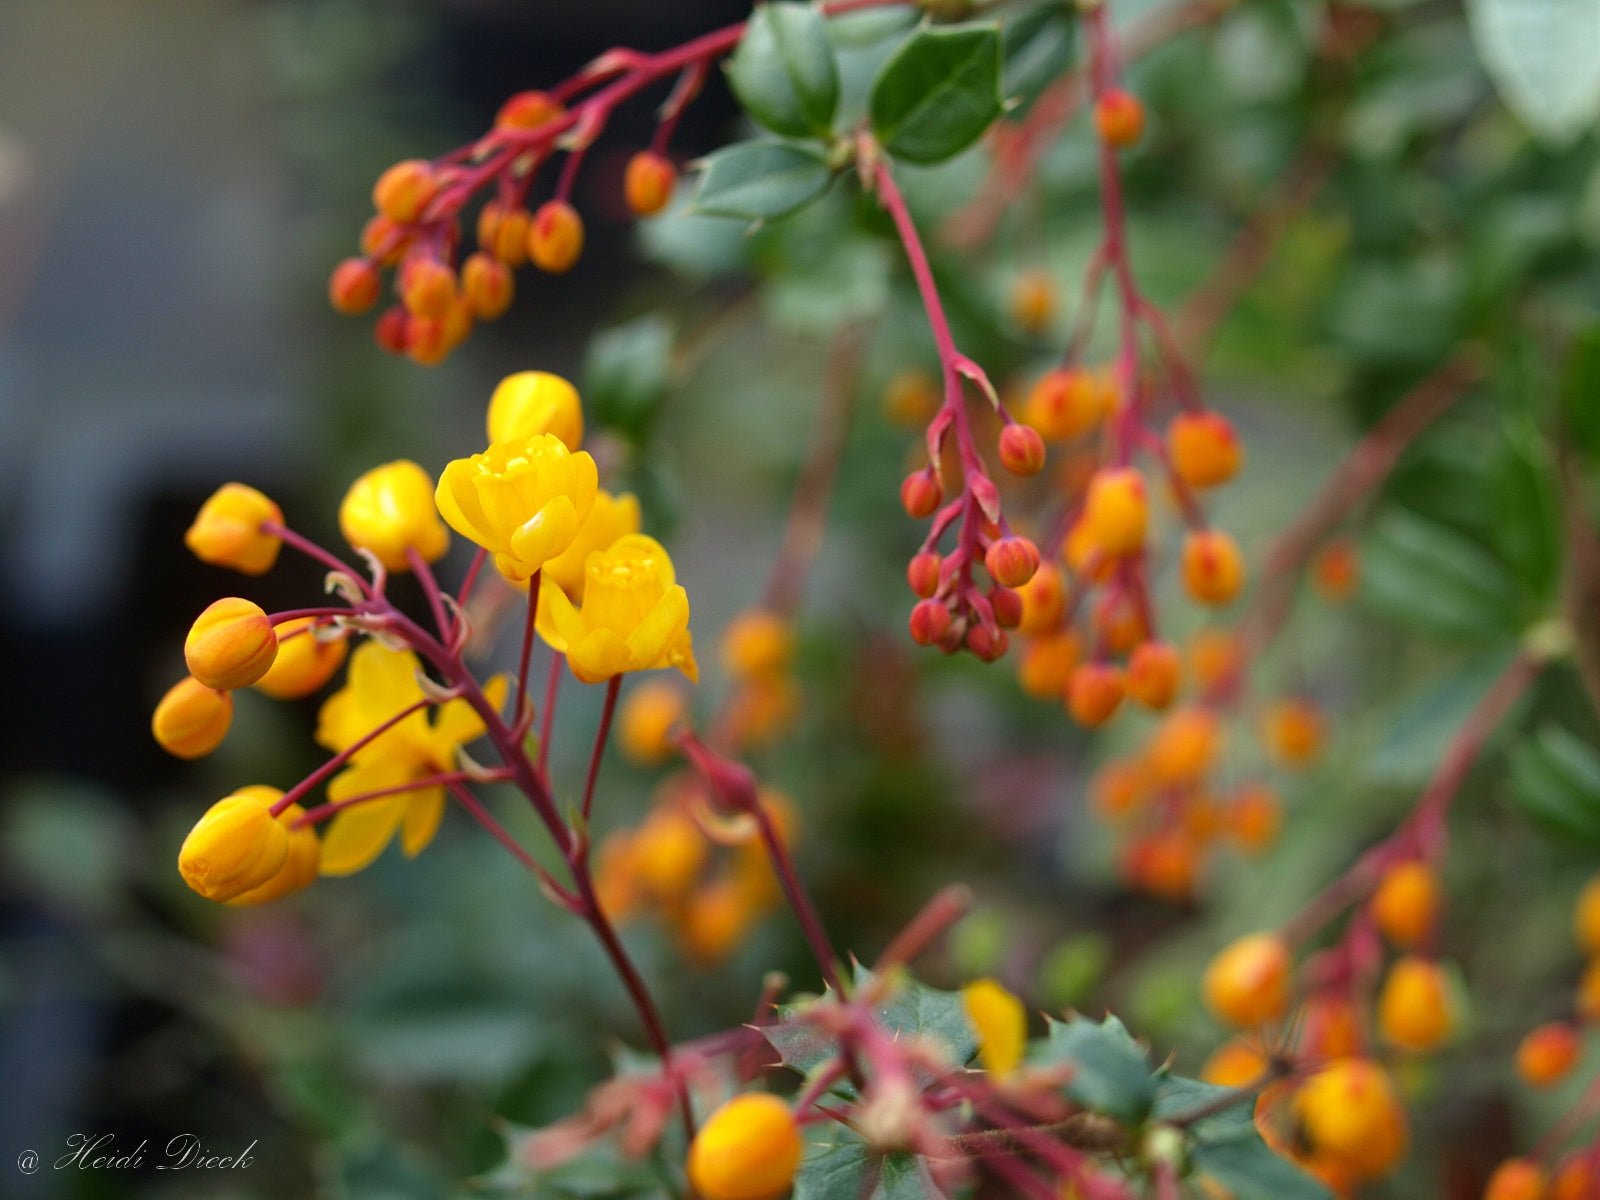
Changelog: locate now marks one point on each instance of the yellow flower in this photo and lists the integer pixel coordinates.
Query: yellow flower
(390, 510)
(611, 517)
(236, 847)
(1001, 1024)
(231, 644)
(380, 684)
(634, 614)
(524, 501)
(227, 530)
(534, 402)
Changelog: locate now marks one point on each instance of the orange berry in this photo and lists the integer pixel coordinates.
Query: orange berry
(1575, 1180)
(1236, 1064)
(1548, 1054)
(1066, 403)
(1405, 905)
(1185, 746)
(1116, 512)
(1044, 601)
(749, 1149)
(1516, 1179)
(405, 190)
(911, 398)
(1205, 450)
(353, 287)
(1213, 568)
(922, 573)
(648, 182)
(427, 341)
(230, 645)
(1047, 664)
(920, 494)
(527, 110)
(1119, 622)
(1119, 118)
(1007, 605)
(757, 643)
(1094, 692)
(1012, 561)
(1247, 983)
(427, 287)
(1336, 570)
(1254, 817)
(384, 241)
(486, 282)
(1165, 864)
(304, 661)
(1294, 732)
(1154, 671)
(1213, 658)
(503, 232)
(191, 719)
(930, 622)
(393, 330)
(649, 714)
(1350, 1118)
(1118, 789)
(1415, 1010)
(1586, 918)
(555, 240)
(1021, 449)
(1033, 301)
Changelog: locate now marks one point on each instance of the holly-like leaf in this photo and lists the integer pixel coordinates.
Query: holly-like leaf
(846, 1168)
(939, 92)
(1225, 1146)
(761, 180)
(1556, 781)
(1544, 57)
(939, 1019)
(1110, 1072)
(784, 72)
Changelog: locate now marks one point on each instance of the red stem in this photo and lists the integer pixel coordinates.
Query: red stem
(613, 686)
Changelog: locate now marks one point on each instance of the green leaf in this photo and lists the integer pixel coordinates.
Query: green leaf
(939, 1019)
(1037, 47)
(1581, 391)
(939, 92)
(760, 180)
(1556, 781)
(783, 71)
(849, 1169)
(626, 373)
(1418, 725)
(1544, 57)
(1111, 1073)
(1430, 577)
(1527, 526)
(1226, 1147)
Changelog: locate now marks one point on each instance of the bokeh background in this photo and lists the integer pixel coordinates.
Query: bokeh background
(176, 179)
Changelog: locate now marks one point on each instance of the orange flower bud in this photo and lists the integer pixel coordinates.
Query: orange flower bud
(1033, 301)
(1247, 983)
(1021, 450)
(1336, 571)
(757, 643)
(1351, 1119)
(1213, 568)
(1330, 1027)
(1516, 1179)
(405, 190)
(1213, 658)
(390, 510)
(529, 403)
(427, 341)
(1012, 561)
(1044, 601)
(990, 646)
(1294, 732)
(1007, 605)
(231, 644)
(383, 241)
(392, 330)
(922, 573)
(1235, 1064)
(930, 622)
(1118, 789)
(920, 494)
(1094, 692)
(911, 398)
(1047, 664)
(555, 240)
(227, 530)
(1405, 905)
(1575, 1180)
(1116, 512)
(749, 1149)
(503, 232)
(1415, 1011)
(427, 287)
(1205, 450)
(1586, 918)
(1254, 817)
(1066, 403)
(299, 869)
(191, 720)
(304, 663)
(648, 182)
(1165, 864)
(1185, 746)
(1154, 671)
(487, 285)
(353, 287)
(649, 714)
(1119, 118)
(236, 847)
(1548, 1054)
(711, 922)
(527, 110)
(668, 853)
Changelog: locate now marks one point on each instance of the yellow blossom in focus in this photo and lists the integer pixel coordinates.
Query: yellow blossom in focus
(611, 517)
(236, 847)
(1001, 1024)
(523, 500)
(634, 615)
(390, 510)
(227, 530)
(381, 683)
(299, 869)
(533, 402)
(231, 644)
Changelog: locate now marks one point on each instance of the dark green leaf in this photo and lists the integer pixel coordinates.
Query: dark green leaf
(1037, 46)
(1427, 576)
(1581, 391)
(939, 93)
(846, 1168)
(626, 373)
(783, 71)
(760, 180)
(1111, 1073)
(1527, 526)
(1556, 782)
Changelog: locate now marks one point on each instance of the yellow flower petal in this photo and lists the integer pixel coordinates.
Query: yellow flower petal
(1001, 1024)
(358, 835)
(424, 810)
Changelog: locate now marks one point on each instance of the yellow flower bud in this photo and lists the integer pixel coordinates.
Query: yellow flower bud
(611, 517)
(227, 530)
(749, 1149)
(191, 720)
(231, 644)
(236, 847)
(299, 869)
(757, 644)
(523, 501)
(1001, 1024)
(534, 402)
(305, 662)
(634, 615)
(644, 725)
(390, 510)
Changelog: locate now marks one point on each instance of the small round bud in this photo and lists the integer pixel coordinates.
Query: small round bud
(1012, 561)
(1066, 403)
(503, 232)
(405, 190)
(1576, 1179)
(236, 847)
(555, 240)
(390, 510)
(353, 287)
(1021, 450)
(230, 645)
(192, 719)
(1548, 1054)
(920, 494)
(1516, 1179)
(427, 343)
(988, 644)
(487, 285)
(1254, 817)
(383, 241)
(1414, 1007)
(1213, 658)
(1154, 671)
(1185, 746)
(527, 110)
(1094, 693)
(1044, 600)
(1007, 605)
(393, 330)
(1204, 449)
(1247, 983)
(427, 287)
(749, 1149)
(227, 531)
(529, 403)
(648, 182)
(1351, 1118)
(757, 644)
(1213, 568)
(1405, 905)
(1116, 512)
(304, 663)
(1294, 732)
(649, 714)
(1046, 665)
(1119, 118)
(922, 573)
(930, 622)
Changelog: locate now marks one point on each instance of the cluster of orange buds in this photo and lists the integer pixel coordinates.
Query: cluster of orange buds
(704, 873)
(758, 654)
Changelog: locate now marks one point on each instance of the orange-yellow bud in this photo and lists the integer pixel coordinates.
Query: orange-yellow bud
(1021, 450)
(1352, 1120)
(668, 852)
(1012, 561)
(1044, 601)
(1575, 1180)
(533, 402)
(427, 341)
(192, 719)
(299, 869)
(1516, 1179)
(1007, 605)
(555, 240)
(1213, 567)
(1548, 1054)
(230, 645)
(427, 287)
(1405, 905)
(1213, 658)
(384, 241)
(487, 285)
(1586, 918)
(1047, 664)
(353, 286)
(1118, 789)
(1205, 450)
(1094, 693)
(1185, 745)
(649, 714)
(920, 494)
(929, 622)
(236, 847)
(1033, 301)
(1119, 118)
(648, 182)
(527, 110)
(1154, 671)
(1165, 864)
(503, 232)
(1116, 512)
(1247, 983)
(405, 190)
(922, 573)
(390, 510)
(1254, 816)
(757, 643)
(227, 530)
(1235, 1064)
(304, 663)
(749, 1149)
(1066, 403)
(1415, 1011)
(1294, 732)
